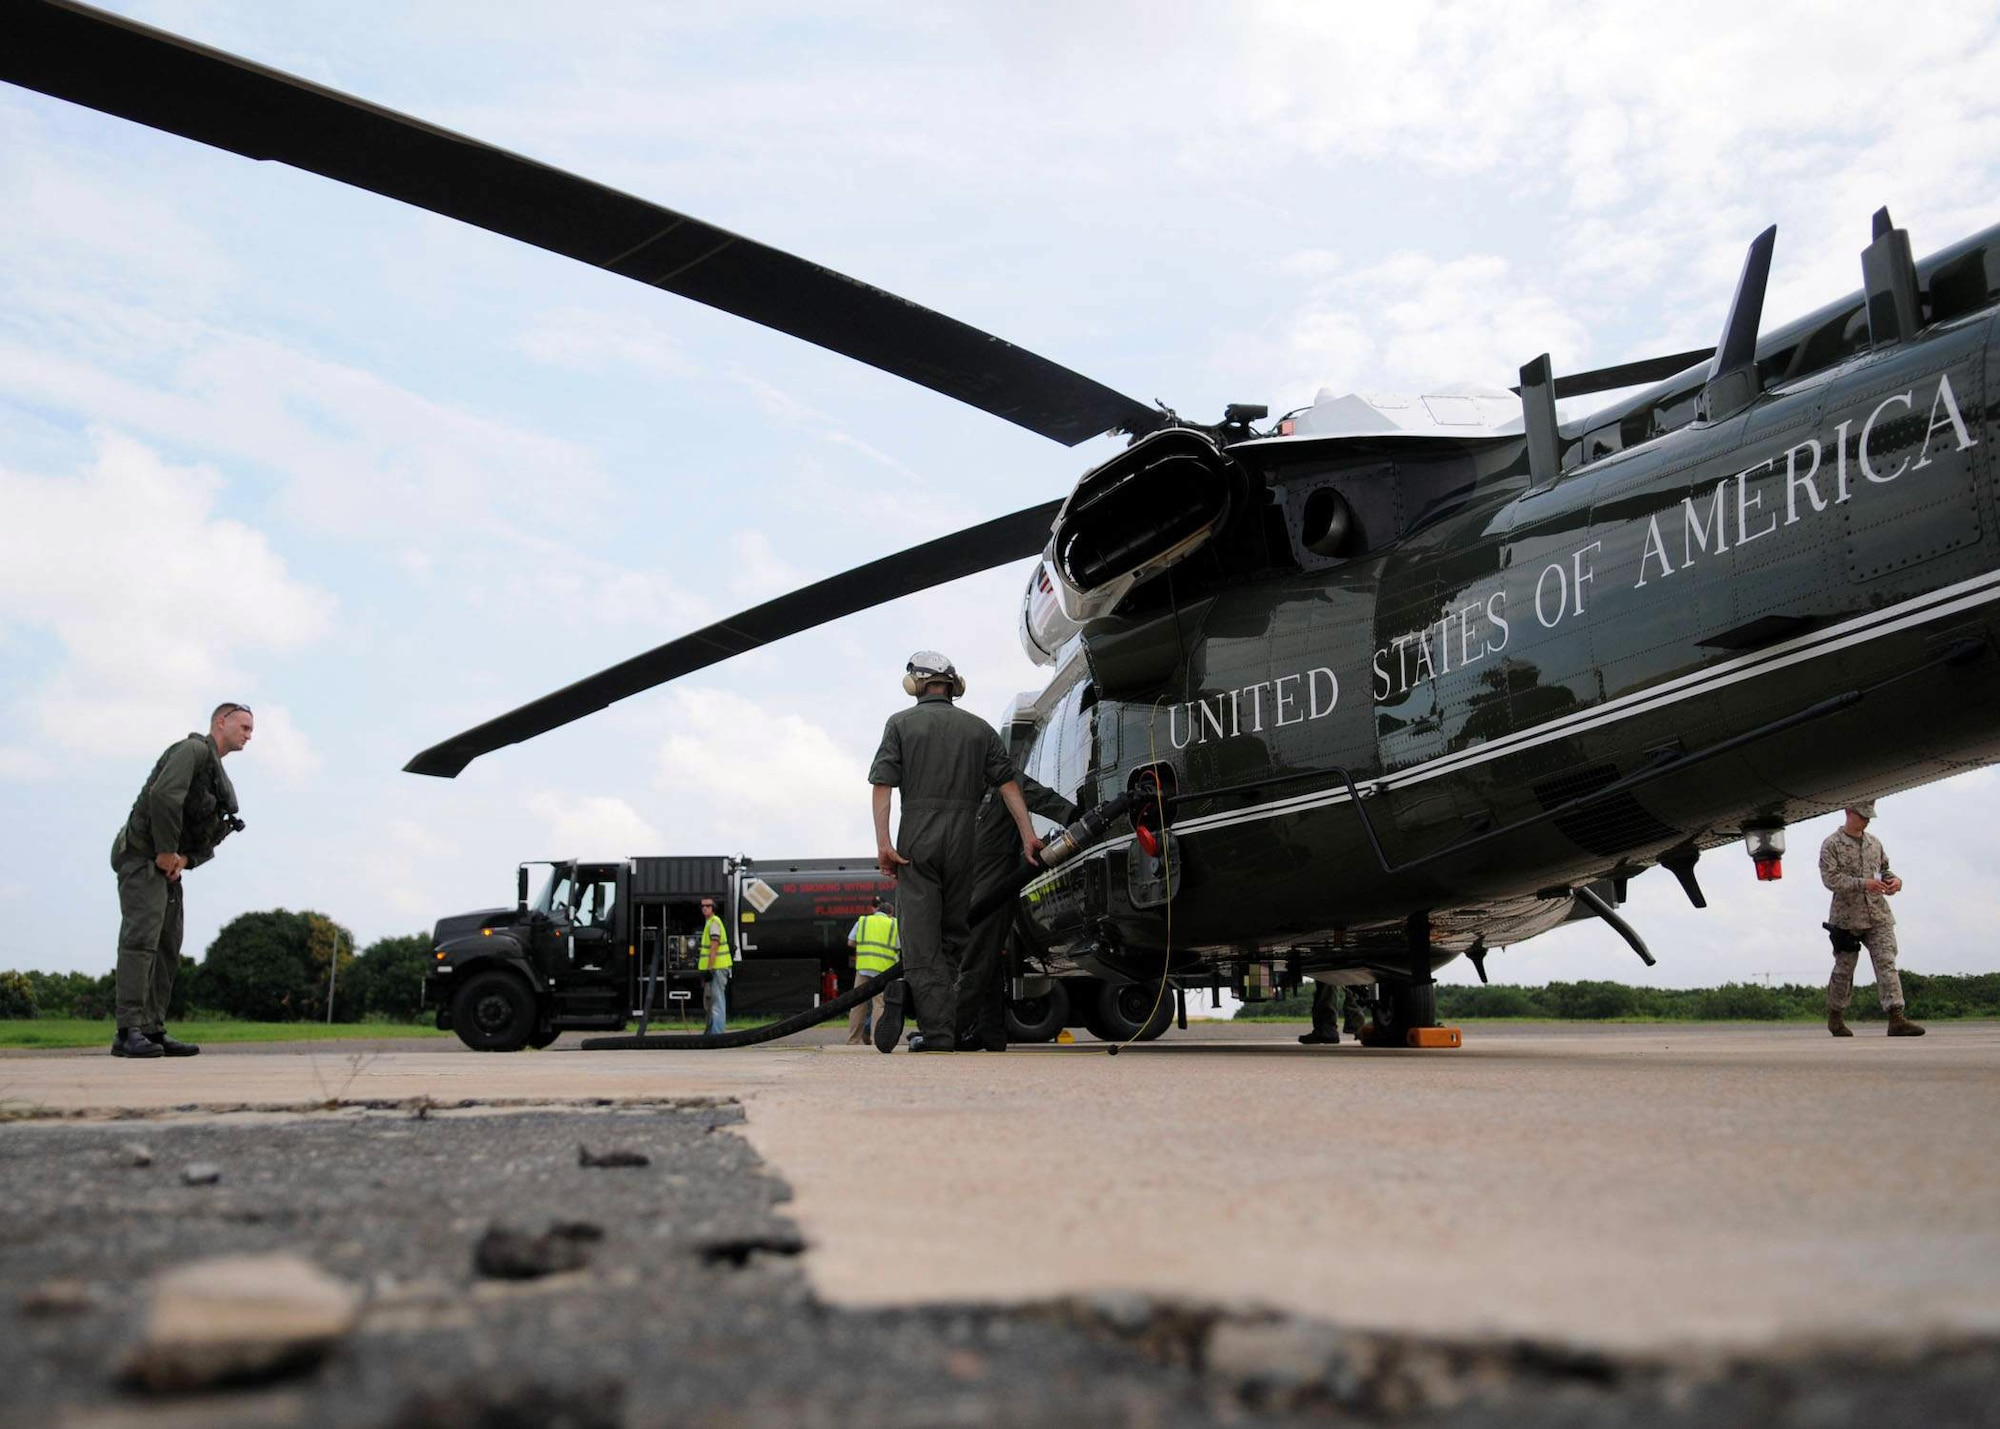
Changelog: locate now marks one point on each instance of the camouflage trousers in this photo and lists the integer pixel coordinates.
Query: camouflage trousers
(1880, 941)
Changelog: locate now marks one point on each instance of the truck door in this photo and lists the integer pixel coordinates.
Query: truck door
(596, 947)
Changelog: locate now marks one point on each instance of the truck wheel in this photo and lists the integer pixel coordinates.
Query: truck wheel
(494, 1012)
(1039, 1019)
(1125, 1012)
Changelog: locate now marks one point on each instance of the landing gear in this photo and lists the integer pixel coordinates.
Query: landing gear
(1130, 1011)
(1402, 1005)
(1039, 1019)
(1406, 1007)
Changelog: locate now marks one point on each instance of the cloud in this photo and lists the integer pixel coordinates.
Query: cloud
(594, 340)
(364, 459)
(24, 765)
(1412, 322)
(594, 825)
(756, 572)
(740, 773)
(156, 600)
(281, 747)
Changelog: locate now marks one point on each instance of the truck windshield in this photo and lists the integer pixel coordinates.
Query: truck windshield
(558, 893)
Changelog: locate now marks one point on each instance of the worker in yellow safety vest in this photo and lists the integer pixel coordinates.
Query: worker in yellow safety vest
(878, 945)
(715, 964)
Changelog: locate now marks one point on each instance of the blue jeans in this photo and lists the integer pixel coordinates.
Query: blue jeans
(718, 1000)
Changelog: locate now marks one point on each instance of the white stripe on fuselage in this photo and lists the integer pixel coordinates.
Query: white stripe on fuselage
(1919, 610)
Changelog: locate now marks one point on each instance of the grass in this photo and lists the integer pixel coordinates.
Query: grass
(56, 1032)
(77, 1032)
(1304, 1017)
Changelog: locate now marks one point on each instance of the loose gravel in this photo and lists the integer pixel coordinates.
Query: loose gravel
(634, 1267)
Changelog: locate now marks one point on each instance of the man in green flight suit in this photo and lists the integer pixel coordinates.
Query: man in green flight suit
(186, 808)
(982, 1001)
(944, 760)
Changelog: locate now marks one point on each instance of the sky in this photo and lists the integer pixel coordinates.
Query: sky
(382, 476)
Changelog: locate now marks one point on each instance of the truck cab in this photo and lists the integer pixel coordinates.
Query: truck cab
(507, 978)
(599, 944)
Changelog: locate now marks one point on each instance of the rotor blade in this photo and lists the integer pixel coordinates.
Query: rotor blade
(1629, 374)
(963, 553)
(129, 70)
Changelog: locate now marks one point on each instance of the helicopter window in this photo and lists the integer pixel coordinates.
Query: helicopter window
(1965, 284)
(1675, 411)
(1073, 763)
(1038, 761)
(1833, 341)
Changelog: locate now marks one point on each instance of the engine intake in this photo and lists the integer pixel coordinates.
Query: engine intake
(1148, 507)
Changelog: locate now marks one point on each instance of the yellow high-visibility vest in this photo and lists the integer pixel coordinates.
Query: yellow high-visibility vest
(716, 958)
(878, 944)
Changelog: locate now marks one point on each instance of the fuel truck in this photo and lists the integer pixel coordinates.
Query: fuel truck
(602, 945)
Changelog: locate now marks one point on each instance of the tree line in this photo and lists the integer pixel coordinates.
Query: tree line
(1929, 995)
(272, 966)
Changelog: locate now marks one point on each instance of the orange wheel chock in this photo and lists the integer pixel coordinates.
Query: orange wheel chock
(1434, 1037)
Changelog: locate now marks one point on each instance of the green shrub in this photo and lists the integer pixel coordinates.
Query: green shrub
(1748, 1001)
(273, 967)
(17, 995)
(1590, 1001)
(1504, 1000)
(389, 977)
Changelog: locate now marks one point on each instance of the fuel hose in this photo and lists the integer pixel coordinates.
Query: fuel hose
(750, 1036)
(1087, 830)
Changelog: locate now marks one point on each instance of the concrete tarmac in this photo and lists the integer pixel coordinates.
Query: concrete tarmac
(1636, 1187)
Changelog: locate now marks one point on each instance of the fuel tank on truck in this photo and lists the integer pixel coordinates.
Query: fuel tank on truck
(803, 907)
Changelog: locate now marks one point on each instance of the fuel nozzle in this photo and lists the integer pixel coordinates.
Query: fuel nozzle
(1090, 826)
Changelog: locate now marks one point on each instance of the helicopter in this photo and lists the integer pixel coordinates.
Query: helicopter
(1384, 681)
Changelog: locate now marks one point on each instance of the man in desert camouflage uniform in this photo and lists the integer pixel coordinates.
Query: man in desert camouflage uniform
(1855, 868)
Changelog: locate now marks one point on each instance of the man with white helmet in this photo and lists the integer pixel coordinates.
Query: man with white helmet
(943, 759)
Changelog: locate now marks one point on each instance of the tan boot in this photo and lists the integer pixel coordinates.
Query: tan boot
(1901, 1026)
(1837, 1025)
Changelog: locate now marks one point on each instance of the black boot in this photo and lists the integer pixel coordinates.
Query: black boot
(889, 1026)
(172, 1046)
(131, 1042)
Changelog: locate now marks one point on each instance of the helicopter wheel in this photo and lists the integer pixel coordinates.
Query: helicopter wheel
(1400, 1006)
(1039, 1019)
(1130, 1012)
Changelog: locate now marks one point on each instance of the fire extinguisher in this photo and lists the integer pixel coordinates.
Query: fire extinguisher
(829, 985)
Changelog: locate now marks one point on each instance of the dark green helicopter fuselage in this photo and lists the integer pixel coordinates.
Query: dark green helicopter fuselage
(1809, 581)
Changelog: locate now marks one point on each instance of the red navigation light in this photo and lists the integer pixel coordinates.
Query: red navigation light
(1766, 847)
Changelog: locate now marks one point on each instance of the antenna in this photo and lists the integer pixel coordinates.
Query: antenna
(1538, 419)
(1895, 311)
(1732, 376)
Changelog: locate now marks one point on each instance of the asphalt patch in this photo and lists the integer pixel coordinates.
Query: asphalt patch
(674, 1293)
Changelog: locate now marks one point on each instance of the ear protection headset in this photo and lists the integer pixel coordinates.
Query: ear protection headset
(926, 666)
